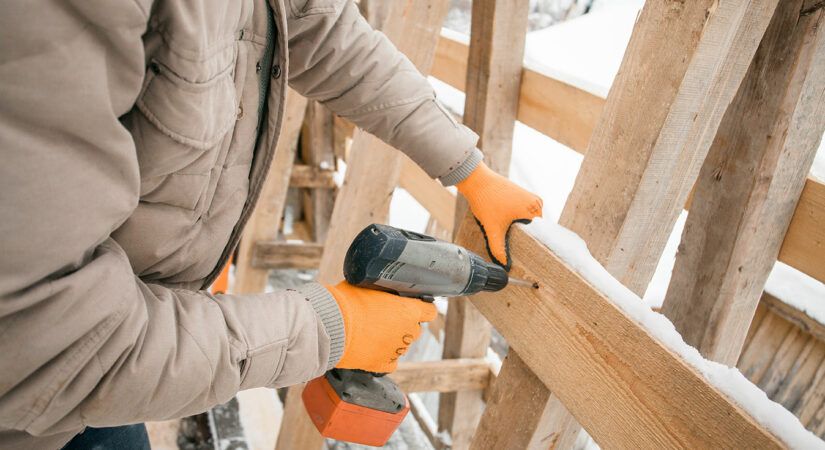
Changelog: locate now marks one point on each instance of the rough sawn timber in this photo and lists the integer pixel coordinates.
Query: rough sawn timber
(569, 114)
(494, 66)
(748, 187)
(626, 388)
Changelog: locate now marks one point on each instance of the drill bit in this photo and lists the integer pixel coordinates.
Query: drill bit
(524, 283)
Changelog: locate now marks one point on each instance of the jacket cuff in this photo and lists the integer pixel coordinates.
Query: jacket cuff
(327, 309)
(464, 169)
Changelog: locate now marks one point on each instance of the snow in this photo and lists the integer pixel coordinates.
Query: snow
(798, 290)
(778, 420)
(587, 51)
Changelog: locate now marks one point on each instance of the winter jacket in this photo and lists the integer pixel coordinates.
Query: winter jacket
(135, 137)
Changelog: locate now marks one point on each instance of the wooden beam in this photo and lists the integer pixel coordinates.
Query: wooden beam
(439, 441)
(297, 432)
(804, 244)
(287, 255)
(429, 193)
(306, 176)
(317, 142)
(695, 57)
(506, 408)
(448, 375)
(625, 387)
(372, 175)
(629, 189)
(748, 187)
(564, 112)
(265, 220)
(799, 318)
(497, 36)
(569, 115)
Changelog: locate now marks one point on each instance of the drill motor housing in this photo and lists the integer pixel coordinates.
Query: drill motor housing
(365, 408)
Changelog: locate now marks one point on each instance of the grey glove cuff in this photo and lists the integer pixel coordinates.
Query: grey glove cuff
(464, 169)
(327, 309)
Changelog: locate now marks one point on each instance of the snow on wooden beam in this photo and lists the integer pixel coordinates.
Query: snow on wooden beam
(625, 387)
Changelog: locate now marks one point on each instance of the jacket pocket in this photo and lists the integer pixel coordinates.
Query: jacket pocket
(180, 130)
(193, 113)
(303, 8)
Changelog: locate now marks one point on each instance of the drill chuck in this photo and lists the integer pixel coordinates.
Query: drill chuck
(415, 265)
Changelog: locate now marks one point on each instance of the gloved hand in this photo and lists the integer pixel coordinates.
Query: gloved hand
(497, 203)
(378, 326)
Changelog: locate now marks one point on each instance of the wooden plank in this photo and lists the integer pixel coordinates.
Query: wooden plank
(371, 177)
(287, 255)
(266, 219)
(317, 142)
(795, 316)
(297, 432)
(636, 174)
(569, 115)
(784, 363)
(429, 193)
(564, 112)
(761, 312)
(466, 335)
(448, 375)
(801, 378)
(506, 407)
(756, 359)
(625, 387)
(813, 400)
(450, 64)
(498, 31)
(748, 187)
(306, 176)
(682, 68)
(778, 370)
(804, 244)
(439, 441)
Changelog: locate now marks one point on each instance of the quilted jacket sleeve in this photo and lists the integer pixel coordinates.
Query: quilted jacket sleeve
(337, 59)
(84, 341)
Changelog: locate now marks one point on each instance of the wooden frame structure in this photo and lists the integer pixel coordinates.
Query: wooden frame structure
(572, 350)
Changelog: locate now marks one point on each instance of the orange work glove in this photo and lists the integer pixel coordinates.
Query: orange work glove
(497, 203)
(378, 326)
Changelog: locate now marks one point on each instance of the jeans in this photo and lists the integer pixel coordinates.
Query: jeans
(126, 437)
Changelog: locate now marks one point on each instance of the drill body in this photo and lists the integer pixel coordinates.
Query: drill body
(366, 408)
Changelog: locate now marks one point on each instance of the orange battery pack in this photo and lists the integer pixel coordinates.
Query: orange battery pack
(355, 406)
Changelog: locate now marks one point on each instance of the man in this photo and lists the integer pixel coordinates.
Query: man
(135, 136)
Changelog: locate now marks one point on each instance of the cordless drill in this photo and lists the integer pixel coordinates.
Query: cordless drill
(363, 407)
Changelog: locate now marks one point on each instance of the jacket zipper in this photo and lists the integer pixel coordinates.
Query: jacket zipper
(264, 83)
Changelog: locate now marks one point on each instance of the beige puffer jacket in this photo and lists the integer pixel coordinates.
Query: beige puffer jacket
(135, 137)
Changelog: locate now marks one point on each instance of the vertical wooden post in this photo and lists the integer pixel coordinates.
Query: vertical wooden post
(749, 186)
(317, 150)
(372, 175)
(265, 220)
(498, 31)
(682, 66)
